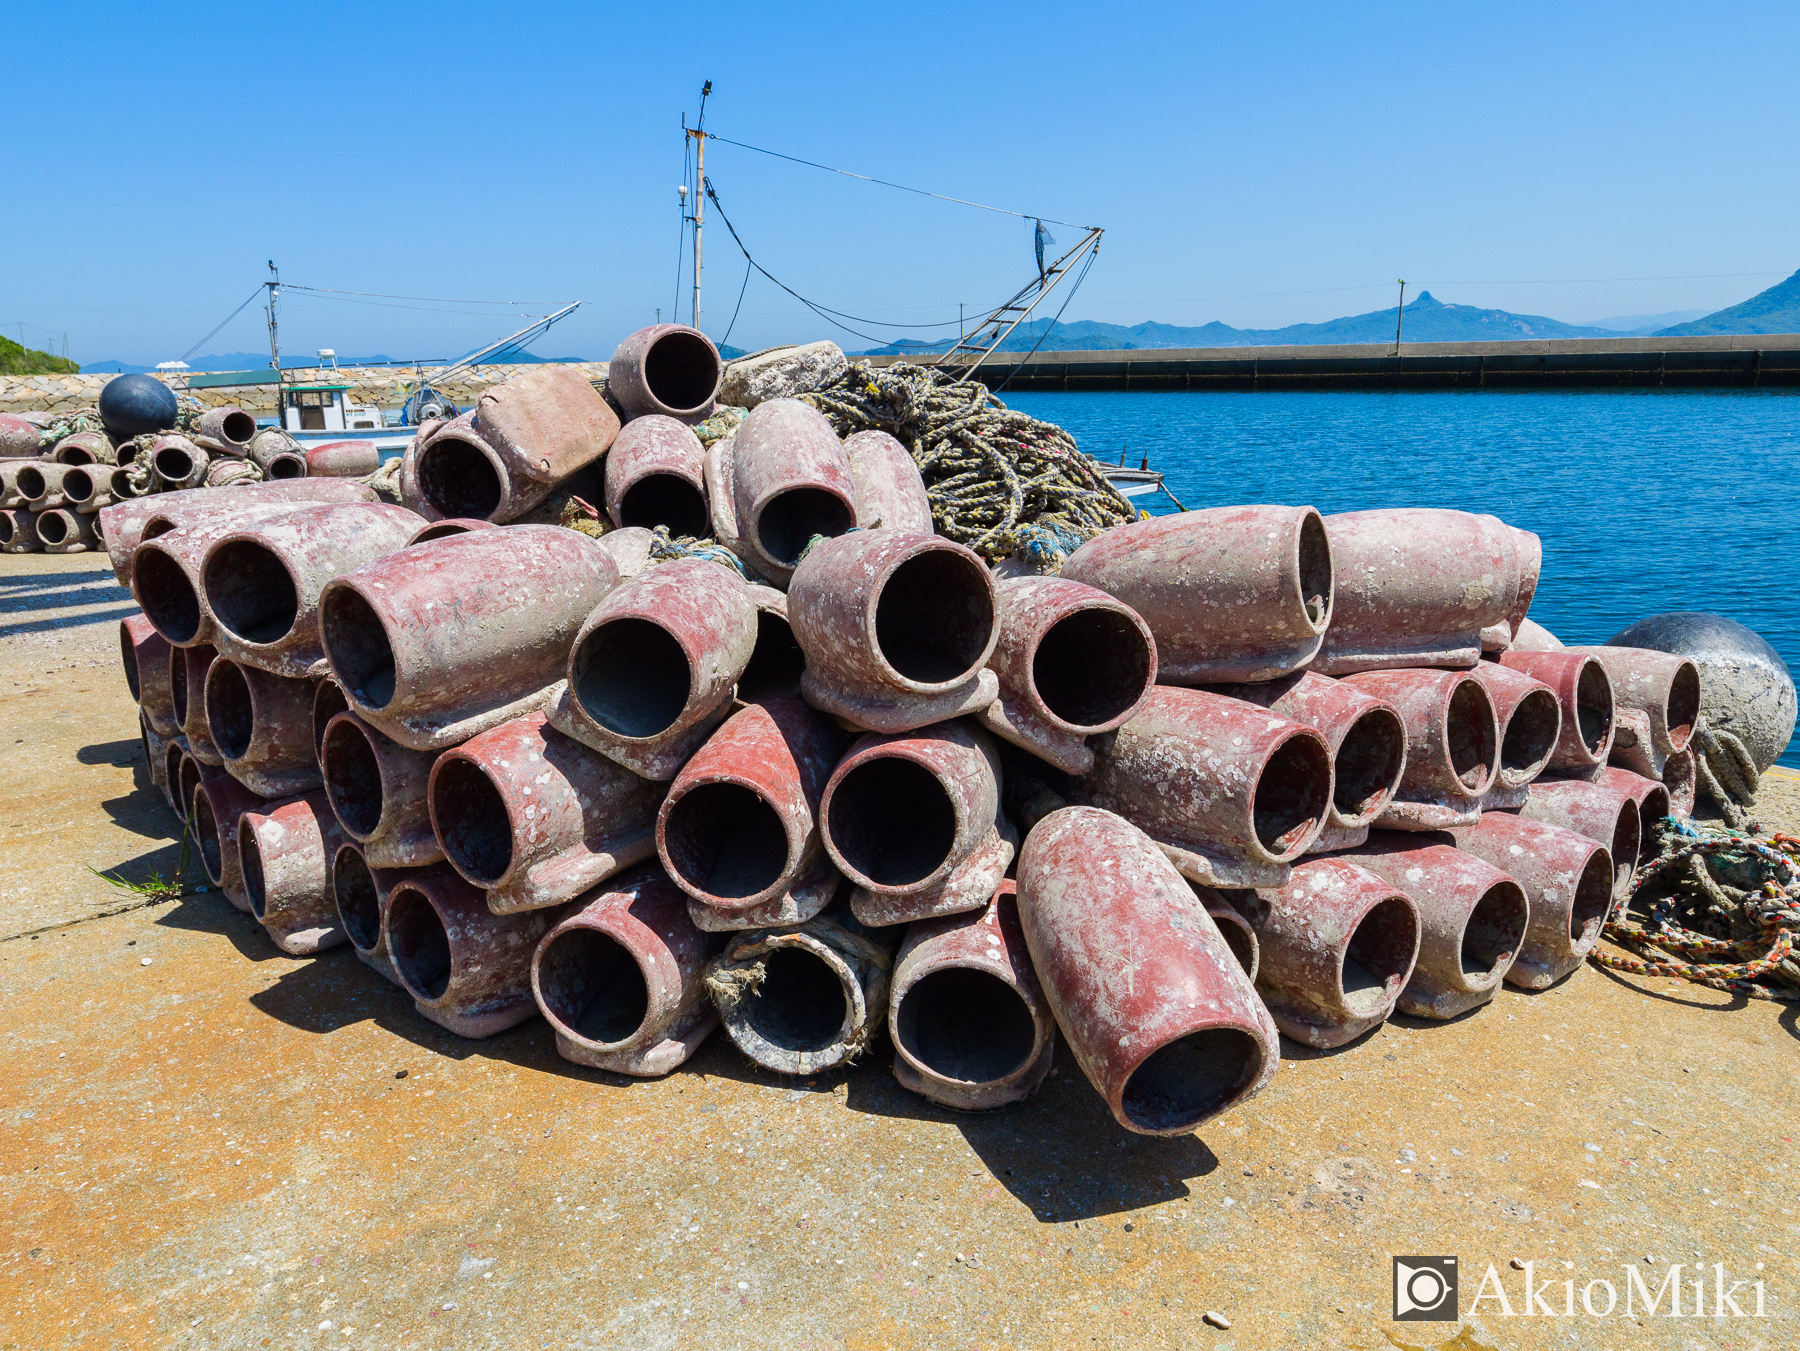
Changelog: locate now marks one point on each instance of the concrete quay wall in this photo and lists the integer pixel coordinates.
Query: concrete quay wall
(1763, 360)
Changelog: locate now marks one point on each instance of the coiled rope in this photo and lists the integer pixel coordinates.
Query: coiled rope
(1003, 483)
(1717, 908)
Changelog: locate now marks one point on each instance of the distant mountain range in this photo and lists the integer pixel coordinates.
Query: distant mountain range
(1776, 310)
(1427, 320)
(1643, 325)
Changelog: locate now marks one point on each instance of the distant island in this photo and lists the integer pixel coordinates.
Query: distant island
(1776, 310)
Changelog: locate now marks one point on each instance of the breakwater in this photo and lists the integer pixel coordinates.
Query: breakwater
(385, 386)
(1737, 361)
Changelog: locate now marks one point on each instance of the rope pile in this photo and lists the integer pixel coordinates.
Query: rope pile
(1005, 484)
(1727, 773)
(1718, 908)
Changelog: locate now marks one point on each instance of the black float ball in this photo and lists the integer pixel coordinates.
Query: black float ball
(134, 404)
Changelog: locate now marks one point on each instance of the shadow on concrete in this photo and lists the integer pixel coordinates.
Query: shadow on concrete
(23, 583)
(336, 990)
(1625, 978)
(107, 616)
(16, 601)
(209, 912)
(143, 812)
(1060, 1153)
(126, 751)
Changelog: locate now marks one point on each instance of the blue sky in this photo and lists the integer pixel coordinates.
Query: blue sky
(1260, 165)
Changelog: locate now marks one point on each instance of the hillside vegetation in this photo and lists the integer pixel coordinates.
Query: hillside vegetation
(1776, 310)
(17, 360)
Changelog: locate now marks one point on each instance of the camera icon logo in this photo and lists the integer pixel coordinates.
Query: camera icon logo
(1424, 1289)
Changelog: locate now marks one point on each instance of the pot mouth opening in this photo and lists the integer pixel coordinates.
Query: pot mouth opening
(776, 662)
(1683, 707)
(1366, 771)
(206, 832)
(1290, 798)
(667, 500)
(352, 774)
(418, 945)
(934, 618)
(356, 643)
(456, 478)
(358, 899)
(1192, 1078)
(1493, 934)
(632, 677)
(1594, 707)
(164, 591)
(890, 822)
(965, 1024)
(1529, 738)
(789, 521)
(682, 371)
(1316, 577)
(251, 592)
(591, 988)
(725, 841)
(1378, 957)
(470, 816)
(1471, 734)
(1593, 900)
(801, 1006)
(230, 709)
(250, 864)
(1092, 668)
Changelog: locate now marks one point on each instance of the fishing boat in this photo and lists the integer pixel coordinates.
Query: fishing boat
(1133, 482)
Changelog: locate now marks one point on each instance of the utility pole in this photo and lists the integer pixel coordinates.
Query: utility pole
(1400, 316)
(699, 135)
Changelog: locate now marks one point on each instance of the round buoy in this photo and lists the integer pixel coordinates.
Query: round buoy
(1745, 687)
(134, 404)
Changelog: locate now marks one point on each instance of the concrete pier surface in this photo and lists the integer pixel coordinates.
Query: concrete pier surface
(207, 1144)
(1751, 361)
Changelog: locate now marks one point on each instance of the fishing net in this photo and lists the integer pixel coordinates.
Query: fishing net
(1006, 484)
(1718, 908)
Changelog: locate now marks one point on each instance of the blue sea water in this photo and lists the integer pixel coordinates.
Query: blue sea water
(1646, 500)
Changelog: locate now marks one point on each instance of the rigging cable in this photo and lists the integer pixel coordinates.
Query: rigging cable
(226, 320)
(823, 311)
(960, 201)
(826, 314)
(382, 295)
(740, 302)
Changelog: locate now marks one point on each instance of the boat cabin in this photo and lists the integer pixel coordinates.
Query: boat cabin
(325, 408)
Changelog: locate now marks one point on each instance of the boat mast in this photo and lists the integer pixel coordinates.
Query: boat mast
(699, 137)
(275, 344)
